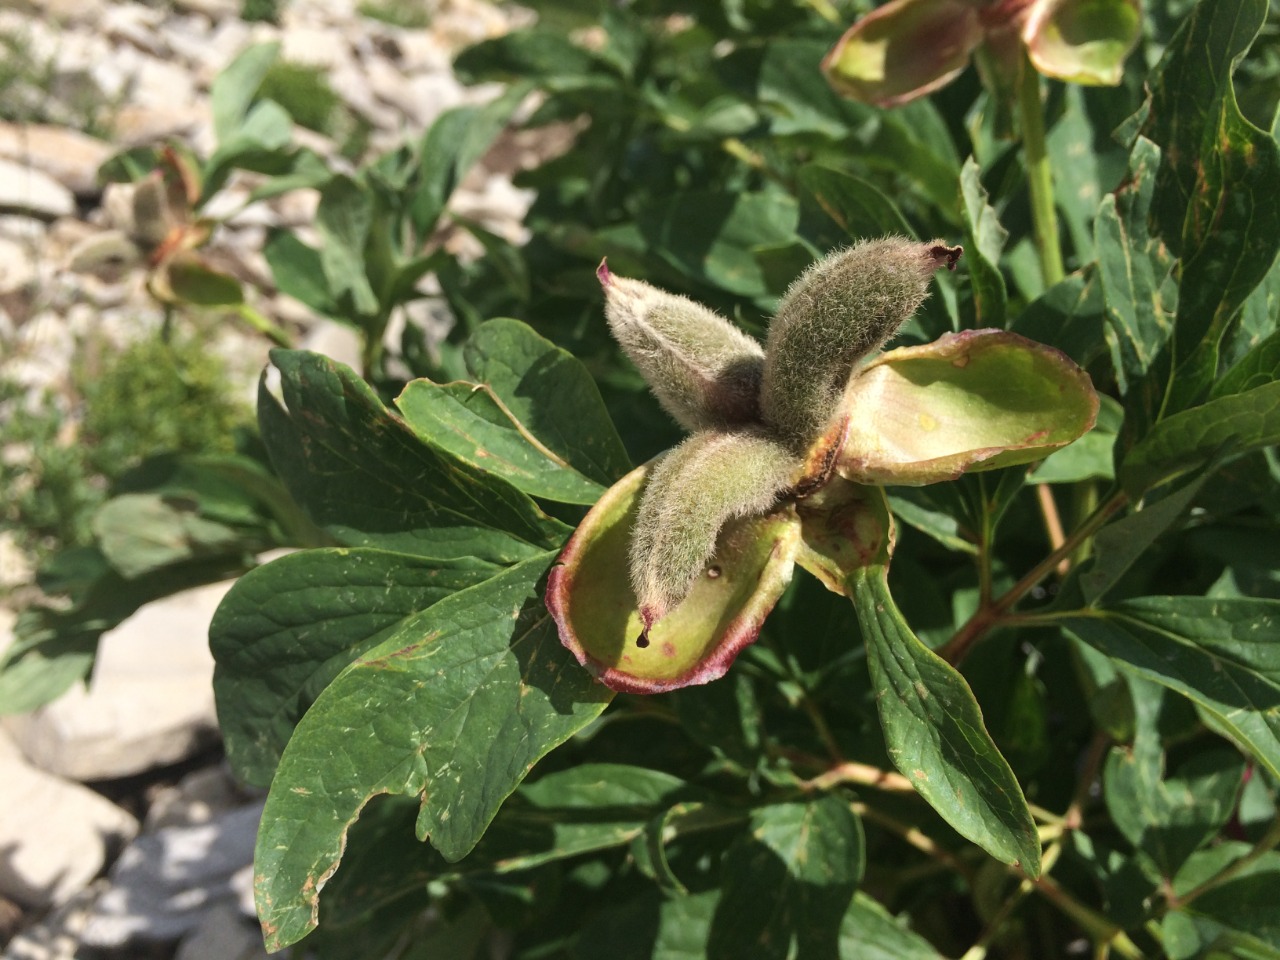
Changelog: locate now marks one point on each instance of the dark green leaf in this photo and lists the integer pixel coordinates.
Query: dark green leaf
(1186, 90)
(1222, 654)
(984, 242)
(363, 475)
(287, 629)
(1075, 172)
(935, 733)
(297, 270)
(456, 140)
(54, 647)
(142, 532)
(1119, 544)
(868, 932)
(1132, 267)
(789, 880)
(1237, 915)
(712, 236)
(1191, 439)
(1259, 367)
(1092, 457)
(533, 416)
(456, 706)
(343, 220)
(196, 284)
(1168, 819)
(857, 206)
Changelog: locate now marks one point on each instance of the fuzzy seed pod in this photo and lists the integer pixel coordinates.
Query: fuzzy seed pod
(704, 371)
(838, 312)
(710, 479)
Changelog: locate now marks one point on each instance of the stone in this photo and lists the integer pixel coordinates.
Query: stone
(28, 190)
(57, 935)
(223, 934)
(197, 798)
(164, 883)
(54, 834)
(17, 265)
(337, 341)
(150, 702)
(215, 10)
(314, 46)
(135, 125)
(68, 156)
(135, 24)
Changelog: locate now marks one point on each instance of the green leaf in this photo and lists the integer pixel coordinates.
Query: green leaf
(1118, 545)
(1168, 819)
(1075, 171)
(456, 141)
(234, 88)
(858, 207)
(343, 220)
(285, 630)
(1186, 88)
(533, 416)
(1259, 367)
(1132, 266)
(194, 283)
(142, 532)
(1092, 457)
(1222, 654)
(934, 731)
(297, 271)
(54, 646)
(868, 932)
(1229, 242)
(711, 236)
(789, 880)
(456, 706)
(1189, 440)
(1234, 915)
(983, 244)
(364, 477)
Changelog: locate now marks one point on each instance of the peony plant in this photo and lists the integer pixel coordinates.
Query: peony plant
(673, 571)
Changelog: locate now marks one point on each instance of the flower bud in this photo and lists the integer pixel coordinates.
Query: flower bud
(838, 312)
(693, 492)
(704, 371)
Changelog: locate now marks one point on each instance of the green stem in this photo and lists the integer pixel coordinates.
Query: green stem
(1044, 216)
(263, 325)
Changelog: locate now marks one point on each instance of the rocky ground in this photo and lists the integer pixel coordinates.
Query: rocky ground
(121, 832)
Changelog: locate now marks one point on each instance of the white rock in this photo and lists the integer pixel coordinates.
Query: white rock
(150, 702)
(27, 189)
(315, 46)
(213, 9)
(54, 834)
(17, 265)
(159, 83)
(135, 24)
(165, 882)
(336, 341)
(197, 798)
(134, 124)
(56, 936)
(70, 157)
(223, 934)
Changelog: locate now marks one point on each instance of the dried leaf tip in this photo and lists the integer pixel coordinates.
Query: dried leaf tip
(603, 274)
(943, 255)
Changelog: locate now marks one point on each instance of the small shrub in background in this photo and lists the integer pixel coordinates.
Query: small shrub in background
(63, 453)
(261, 11)
(304, 93)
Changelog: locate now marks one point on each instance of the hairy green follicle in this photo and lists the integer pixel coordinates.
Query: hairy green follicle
(704, 371)
(710, 479)
(840, 310)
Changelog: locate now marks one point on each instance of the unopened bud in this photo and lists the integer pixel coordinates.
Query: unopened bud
(697, 488)
(704, 371)
(838, 312)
